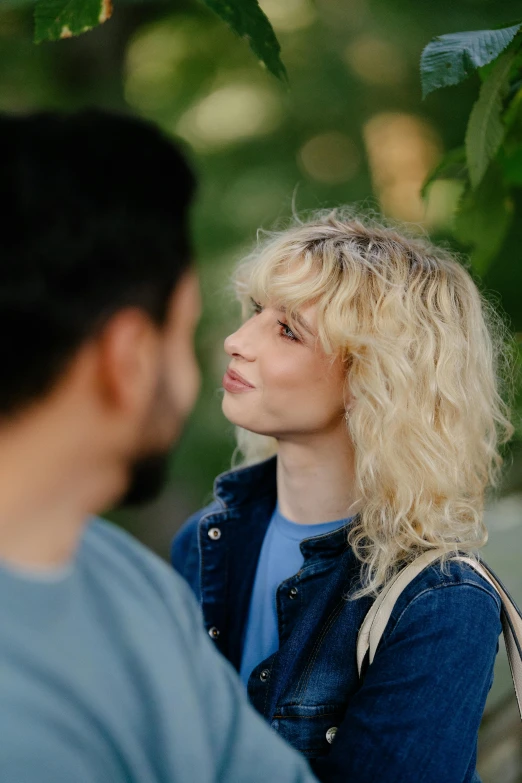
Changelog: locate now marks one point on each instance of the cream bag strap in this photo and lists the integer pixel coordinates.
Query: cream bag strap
(377, 618)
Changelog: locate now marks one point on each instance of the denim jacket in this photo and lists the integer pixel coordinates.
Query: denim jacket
(414, 715)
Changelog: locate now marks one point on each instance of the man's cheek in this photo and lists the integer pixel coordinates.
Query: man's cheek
(186, 382)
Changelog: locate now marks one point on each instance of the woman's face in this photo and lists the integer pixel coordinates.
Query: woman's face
(281, 382)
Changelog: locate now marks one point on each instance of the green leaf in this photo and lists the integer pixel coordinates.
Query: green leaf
(449, 59)
(483, 219)
(451, 166)
(55, 19)
(485, 129)
(246, 18)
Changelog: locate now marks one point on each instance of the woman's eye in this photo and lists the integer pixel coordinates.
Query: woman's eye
(286, 331)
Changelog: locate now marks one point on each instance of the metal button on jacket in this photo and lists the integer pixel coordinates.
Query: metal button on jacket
(213, 632)
(214, 533)
(265, 674)
(292, 593)
(330, 734)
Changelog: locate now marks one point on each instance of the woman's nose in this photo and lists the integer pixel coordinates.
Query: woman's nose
(240, 343)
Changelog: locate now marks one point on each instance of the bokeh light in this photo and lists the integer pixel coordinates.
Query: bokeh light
(402, 150)
(330, 157)
(376, 61)
(229, 114)
(157, 60)
(289, 15)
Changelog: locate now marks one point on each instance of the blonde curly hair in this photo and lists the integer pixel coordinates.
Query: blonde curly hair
(427, 359)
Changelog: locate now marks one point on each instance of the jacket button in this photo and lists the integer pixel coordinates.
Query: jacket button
(292, 593)
(265, 674)
(214, 533)
(330, 734)
(213, 632)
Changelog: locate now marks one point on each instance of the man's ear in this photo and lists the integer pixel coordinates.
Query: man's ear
(185, 304)
(128, 352)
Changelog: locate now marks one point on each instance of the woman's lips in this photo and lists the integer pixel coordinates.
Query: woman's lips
(235, 383)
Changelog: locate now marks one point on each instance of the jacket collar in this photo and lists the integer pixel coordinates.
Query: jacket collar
(254, 483)
(241, 485)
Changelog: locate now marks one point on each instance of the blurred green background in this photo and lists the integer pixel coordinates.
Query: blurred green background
(351, 128)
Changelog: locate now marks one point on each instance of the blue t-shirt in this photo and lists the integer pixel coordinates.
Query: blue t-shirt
(107, 676)
(279, 559)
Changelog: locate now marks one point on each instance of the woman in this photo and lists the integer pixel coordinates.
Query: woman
(369, 368)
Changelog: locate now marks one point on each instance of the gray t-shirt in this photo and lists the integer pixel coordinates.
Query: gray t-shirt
(107, 676)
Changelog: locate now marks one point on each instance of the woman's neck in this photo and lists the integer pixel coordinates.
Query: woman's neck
(316, 478)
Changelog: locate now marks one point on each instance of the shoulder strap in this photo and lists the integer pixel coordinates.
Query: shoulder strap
(377, 617)
(380, 611)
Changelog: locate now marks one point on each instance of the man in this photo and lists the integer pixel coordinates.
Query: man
(105, 672)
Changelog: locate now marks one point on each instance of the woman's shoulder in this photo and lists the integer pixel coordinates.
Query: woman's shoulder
(456, 572)
(447, 593)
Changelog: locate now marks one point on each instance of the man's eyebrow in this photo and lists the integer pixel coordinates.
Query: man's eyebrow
(301, 321)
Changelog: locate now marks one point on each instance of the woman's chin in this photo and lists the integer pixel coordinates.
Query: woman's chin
(231, 412)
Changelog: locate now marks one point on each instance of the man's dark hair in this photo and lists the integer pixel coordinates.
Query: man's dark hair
(94, 218)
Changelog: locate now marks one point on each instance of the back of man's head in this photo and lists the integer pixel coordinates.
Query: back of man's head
(94, 219)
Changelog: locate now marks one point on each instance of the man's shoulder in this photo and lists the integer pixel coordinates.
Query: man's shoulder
(111, 555)
(104, 539)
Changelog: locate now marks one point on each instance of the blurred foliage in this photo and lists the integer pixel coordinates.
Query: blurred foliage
(351, 128)
(488, 166)
(56, 19)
